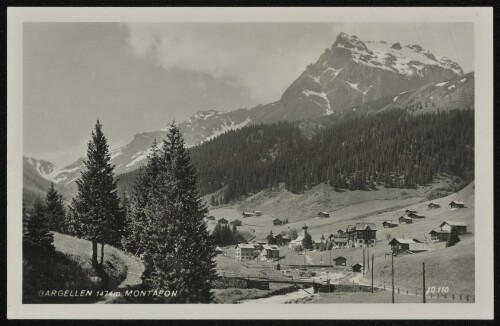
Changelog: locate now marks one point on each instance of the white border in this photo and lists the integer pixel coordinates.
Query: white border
(483, 23)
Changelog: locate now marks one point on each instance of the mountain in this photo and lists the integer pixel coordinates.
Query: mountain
(37, 177)
(351, 74)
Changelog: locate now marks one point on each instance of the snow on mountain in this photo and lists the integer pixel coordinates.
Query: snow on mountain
(347, 75)
(47, 170)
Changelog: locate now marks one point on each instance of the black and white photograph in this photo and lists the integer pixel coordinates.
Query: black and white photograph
(251, 164)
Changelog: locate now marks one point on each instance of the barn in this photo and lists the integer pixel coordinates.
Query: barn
(340, 261)
(236, 222)
(277, 221)
(433, 205)
(457, 204)
(389, 224)
(461, 227)
(400, 244)
(324, 214)
(439, 235)
(405, 220)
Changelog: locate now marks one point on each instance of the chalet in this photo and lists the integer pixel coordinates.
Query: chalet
(340, 261)
(286, 239)
(405, 220)
(361, 234)
(257, 213)
(439, 235)
(277, 221)
(218, 250)
(340, 242)
(248, 214)
(418, 247)
(357, 268)
(323, 214)
(211, 218)
(222, 222)
(416, 216)
(244, 251)
(461, 227)
(408, 211)
(269, 252)
(341, 233)
(389, 224)
(433, 205)
(319, 244)
(400, 244)
(236, 222)
(457, 204)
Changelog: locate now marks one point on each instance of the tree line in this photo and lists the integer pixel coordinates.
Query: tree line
(357, 152)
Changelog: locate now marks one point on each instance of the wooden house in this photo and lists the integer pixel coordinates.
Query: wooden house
(258, 213)
(461, 227)
(400, 244)
(418, 247)
(236, 222)
(439, 235)
(409, 211)
(433, 205)
(415, 216)
(361, 234)
(324, 214)
(457, 204)
(270, 252)
(340, 242)
(340, 261)
(357, 268)
(405, 220)
(389, 224)
(248, 214)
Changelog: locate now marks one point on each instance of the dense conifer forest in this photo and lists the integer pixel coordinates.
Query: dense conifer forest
(355, 152)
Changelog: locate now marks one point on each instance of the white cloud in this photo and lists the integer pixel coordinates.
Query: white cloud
(258, 63)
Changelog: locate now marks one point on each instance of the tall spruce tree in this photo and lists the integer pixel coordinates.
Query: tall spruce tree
(56, 213)
(178, 251)
(144, 188)
(37, 230)
(96, 208)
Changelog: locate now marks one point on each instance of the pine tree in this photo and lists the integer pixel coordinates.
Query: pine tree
(56, 213)
(307, 242)
(37, 233)
(96, 208)
(144, 188)
(178, 251)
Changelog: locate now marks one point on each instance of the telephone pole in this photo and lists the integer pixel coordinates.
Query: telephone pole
(392, 263)
(364, 259)
(423, 279)
(373, 256)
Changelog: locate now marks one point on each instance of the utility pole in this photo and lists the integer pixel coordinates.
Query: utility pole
(364, 259)
(423, 279)
(372, 271)
(392, 263)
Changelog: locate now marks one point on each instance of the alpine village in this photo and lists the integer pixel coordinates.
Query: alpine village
(356, 186)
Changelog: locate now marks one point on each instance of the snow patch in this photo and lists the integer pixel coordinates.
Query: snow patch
(395, 99)
(137, 159)
(441, 84)
(227, 127)
(323, 96)
(463, 80)
(451, 87)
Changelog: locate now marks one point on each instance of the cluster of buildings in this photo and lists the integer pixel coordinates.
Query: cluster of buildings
(250, 214)
(408, 218)
(256, 251)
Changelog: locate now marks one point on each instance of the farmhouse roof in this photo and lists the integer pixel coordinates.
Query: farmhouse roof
(439, 231)
(360, 226)
(245, 246)
(401, 241)
(222, 220)
(339, 257)
(453, 223)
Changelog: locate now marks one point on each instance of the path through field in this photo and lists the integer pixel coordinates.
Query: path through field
(83, 248)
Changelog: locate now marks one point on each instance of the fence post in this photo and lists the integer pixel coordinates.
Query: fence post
(453, 296)
(467, 298)
(460, 297)
(445, 296)
(398, 290)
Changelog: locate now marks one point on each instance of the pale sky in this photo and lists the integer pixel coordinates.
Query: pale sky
(138, 77)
